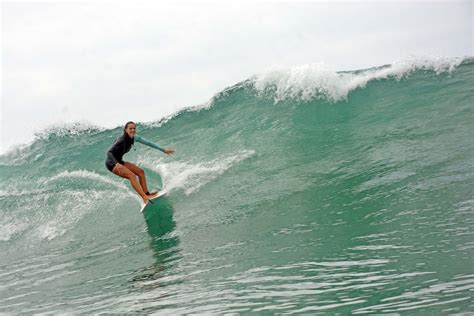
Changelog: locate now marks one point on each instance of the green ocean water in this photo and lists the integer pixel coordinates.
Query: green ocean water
(297, 191)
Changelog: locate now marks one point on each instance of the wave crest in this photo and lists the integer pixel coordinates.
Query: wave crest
(68, 129)
(317, 81)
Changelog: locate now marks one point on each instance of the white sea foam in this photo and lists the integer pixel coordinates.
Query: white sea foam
(66, 212)
(190, 176)
(85, 174)
(69, 211)
(38, 188)
(59, 214)
(9, 227)
(68, 129)
(20, 153)
(317, 81)
(51, 213)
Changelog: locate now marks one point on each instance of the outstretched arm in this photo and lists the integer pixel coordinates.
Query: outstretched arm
(152, 144)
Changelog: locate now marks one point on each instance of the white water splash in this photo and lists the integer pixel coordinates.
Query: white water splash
(68, 129)
(85, 174)
(190, 176)
(317, 81)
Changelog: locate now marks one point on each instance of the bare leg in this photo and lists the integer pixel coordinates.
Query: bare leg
(141, 175)
(136, 186)
(124, 172)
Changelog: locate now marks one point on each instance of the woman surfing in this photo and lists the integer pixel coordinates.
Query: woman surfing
(128, 170)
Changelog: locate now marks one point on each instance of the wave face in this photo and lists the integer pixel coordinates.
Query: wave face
(299, 190)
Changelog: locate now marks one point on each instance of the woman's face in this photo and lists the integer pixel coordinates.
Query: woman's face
(131, 130)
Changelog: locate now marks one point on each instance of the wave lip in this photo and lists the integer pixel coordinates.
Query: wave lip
(19, 154)
(68, 129)
(300, 83)
(317, 81)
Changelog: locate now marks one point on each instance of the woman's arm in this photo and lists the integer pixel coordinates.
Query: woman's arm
(147, 142)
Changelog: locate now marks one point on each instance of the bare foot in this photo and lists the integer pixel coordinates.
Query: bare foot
(148, 197)
(152, 193)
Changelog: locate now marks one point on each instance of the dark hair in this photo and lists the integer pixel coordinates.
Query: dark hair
(126, 125)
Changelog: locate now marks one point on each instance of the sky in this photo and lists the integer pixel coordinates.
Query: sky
(104, 63)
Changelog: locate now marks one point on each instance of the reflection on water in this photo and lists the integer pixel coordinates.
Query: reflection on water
(159, 218)
(163, 242)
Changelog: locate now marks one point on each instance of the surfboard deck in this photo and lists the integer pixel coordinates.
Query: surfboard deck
(150, 201)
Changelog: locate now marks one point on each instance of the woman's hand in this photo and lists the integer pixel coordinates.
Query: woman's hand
(169, 151)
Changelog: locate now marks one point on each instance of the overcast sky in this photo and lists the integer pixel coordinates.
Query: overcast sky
(107, 63)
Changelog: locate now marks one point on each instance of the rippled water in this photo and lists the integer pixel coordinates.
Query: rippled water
(358, 205)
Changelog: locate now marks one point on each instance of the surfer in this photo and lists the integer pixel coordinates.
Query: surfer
(128, 170)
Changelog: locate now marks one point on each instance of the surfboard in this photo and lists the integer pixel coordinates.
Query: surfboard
(153, 200)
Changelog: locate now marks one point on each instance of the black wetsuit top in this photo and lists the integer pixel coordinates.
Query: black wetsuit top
(115, 154)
